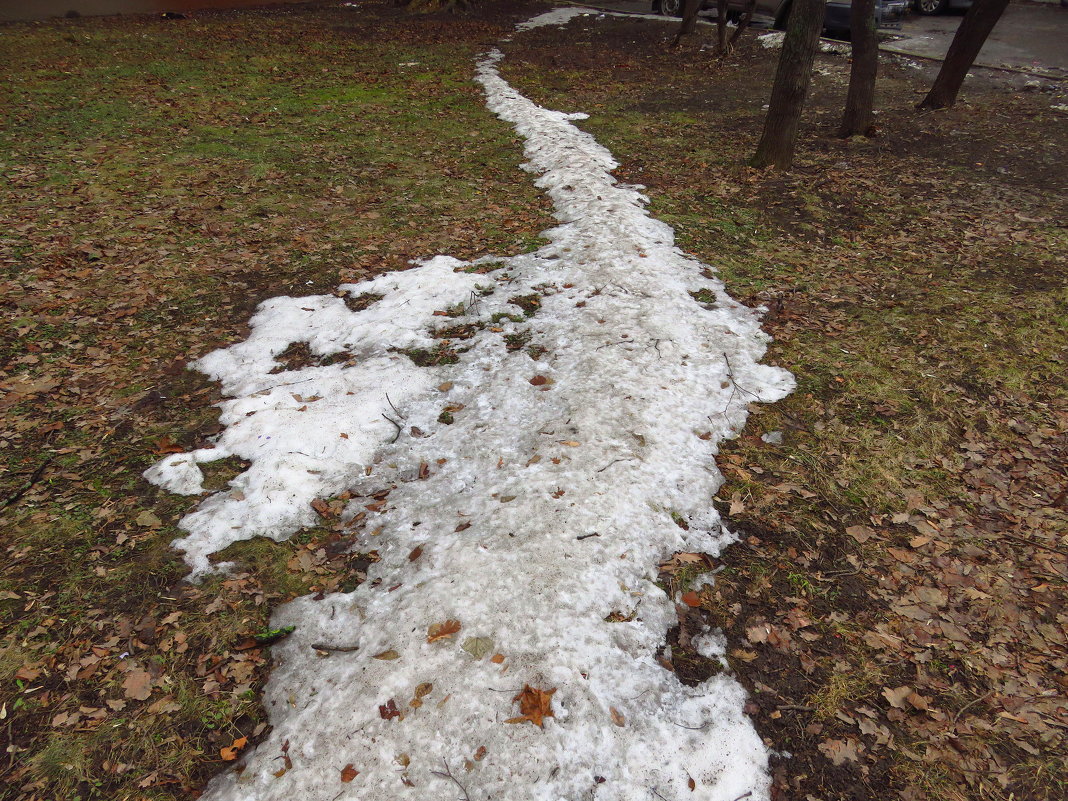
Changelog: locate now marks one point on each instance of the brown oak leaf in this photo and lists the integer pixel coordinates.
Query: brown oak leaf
(439, 631)
(230, 752)
(534, 705)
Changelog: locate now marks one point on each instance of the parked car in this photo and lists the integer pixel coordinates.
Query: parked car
(888, 13)
(929, 7)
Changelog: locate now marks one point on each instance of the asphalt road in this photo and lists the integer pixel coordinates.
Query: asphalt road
(1029, 36)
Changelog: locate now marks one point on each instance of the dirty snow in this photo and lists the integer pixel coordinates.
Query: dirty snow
(771, 40)
(544, 508)
(558, 16)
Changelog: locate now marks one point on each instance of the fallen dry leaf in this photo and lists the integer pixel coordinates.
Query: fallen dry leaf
(389, 710)
(440, 631)
(534, 705)
(348, 773)
(229, 753)
(148, 520)
(840, 751)
(166, 444)
(860, 533)
(137, 685)
(478, 647)
(897, 697)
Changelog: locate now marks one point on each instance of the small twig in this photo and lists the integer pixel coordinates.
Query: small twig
(744, 795)
(587, 536)
(399, 428)
(654, 791)
(836, 574)
(340, 648)
(730, 375)
(1035, 543)
(34, 478)
(797, 707)
(620, 459)
(691, 728)
(971, 703)
(394, 408)
(448, 775)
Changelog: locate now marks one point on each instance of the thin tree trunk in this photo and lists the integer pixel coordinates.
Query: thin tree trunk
(776, 147)
(968, 41)
(743, 23)
(689, 20)
(860, 100)
(721, 26)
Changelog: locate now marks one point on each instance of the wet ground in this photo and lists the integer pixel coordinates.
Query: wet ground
(1029, 36)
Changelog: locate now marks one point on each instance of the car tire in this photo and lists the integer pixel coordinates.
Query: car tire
(672, 8)
(929, 8)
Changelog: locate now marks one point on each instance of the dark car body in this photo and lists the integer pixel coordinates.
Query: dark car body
(929, 7)
(888, 13)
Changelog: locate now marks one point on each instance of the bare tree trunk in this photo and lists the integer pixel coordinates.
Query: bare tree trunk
(968, 41)
(721, 26)
(689, 20)
(857, 118)
(743, 23)
(776, 147)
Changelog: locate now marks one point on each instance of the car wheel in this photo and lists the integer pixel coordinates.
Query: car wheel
(931, 7)
(671, 8)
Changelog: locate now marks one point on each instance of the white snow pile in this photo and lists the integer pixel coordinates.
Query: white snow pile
(558, 16)
(839, 48)
(308, 432)
(771, 40)
(518, 544)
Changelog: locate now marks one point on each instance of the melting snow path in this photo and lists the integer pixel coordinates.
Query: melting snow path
(541, 512)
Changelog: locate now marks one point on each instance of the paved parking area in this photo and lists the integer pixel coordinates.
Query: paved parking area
(1029, 36)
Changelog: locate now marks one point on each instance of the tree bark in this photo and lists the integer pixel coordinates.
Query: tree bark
(689, 19)
(860, 99)
(968, 41)
(776, 147)
(743, 23)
